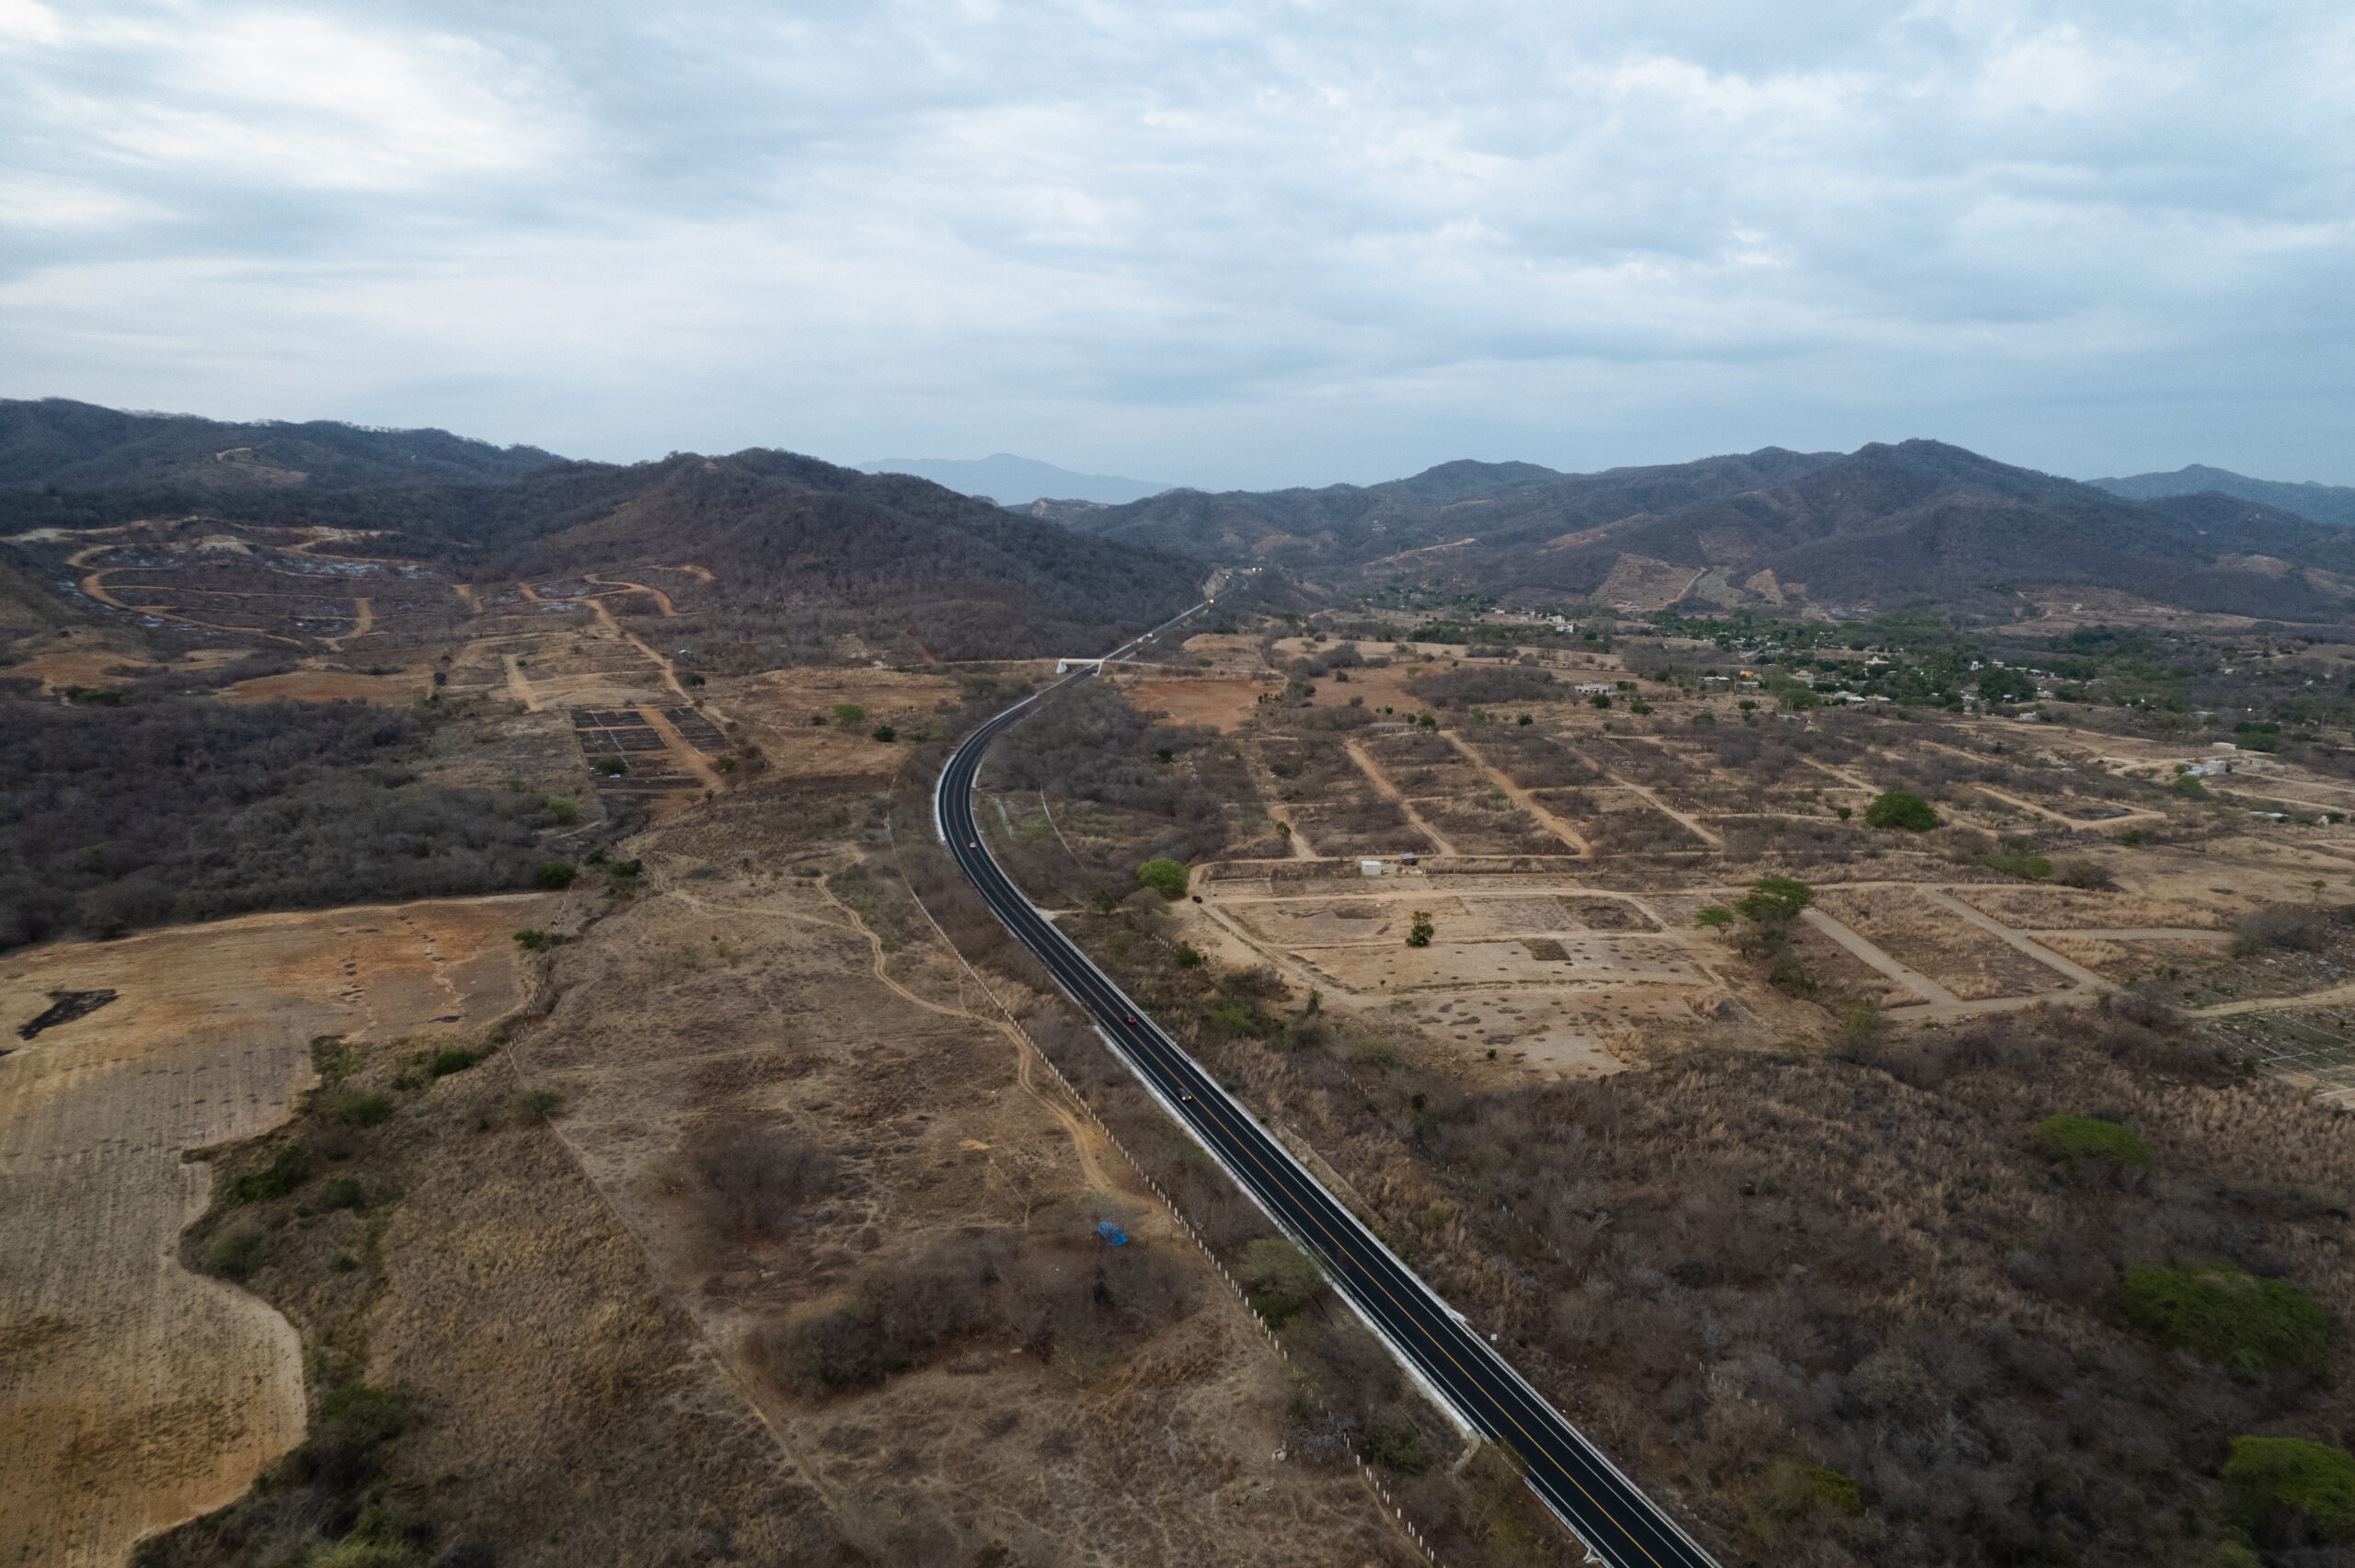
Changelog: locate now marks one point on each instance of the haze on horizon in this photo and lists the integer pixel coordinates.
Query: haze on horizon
(1242, 247)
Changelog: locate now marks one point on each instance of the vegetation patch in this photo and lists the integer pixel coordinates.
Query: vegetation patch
(2223, 1314)
(2278, 1486)
(1903, 809)
(2079, 1138)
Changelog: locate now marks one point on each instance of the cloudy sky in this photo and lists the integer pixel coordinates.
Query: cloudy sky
(1249, 245)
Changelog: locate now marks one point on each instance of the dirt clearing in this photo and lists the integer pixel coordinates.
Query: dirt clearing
(331, 686)
(1222, 705)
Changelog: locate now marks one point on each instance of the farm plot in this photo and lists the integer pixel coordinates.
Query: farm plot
(132, 1393)
(1616, 820)
(2066, 908)
(1488, 824)
(1973, 964)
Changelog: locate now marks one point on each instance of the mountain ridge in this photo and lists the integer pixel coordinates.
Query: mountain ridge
(2318, 503)
(1017, 480)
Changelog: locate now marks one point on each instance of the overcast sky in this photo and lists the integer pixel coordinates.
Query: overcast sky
(1243, 245)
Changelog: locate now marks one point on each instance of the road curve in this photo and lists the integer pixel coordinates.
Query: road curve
(1620, 1526)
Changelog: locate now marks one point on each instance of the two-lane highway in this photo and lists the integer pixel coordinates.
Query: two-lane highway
(1619, 1523)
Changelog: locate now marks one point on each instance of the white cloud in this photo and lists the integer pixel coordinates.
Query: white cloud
(1256, 243)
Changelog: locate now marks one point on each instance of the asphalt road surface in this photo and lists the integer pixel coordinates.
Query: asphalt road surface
(1619, 1523)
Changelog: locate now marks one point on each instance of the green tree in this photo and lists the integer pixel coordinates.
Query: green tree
(1776, 900)
(1901, 808)
(1280, 1280)
(849, 714)
(1716, 917)
(2271, 1482)
(1167, 877)
(2224, 1314)
(1419, 933)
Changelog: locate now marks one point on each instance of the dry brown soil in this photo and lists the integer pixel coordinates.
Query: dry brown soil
(1222, 705)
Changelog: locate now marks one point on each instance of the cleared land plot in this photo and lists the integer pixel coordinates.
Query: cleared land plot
(132, 1393)
(1488, 824)
(2065, 909)
(786, 701)
(1975, 965)
(1616, 820)
(2125, 959)
(1222, 706)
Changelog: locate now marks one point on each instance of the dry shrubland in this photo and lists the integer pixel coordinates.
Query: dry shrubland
(1742, 1271)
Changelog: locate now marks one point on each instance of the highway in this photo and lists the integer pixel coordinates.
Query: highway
(1619, 1525)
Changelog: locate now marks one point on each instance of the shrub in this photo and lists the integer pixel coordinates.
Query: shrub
(1397, 1446)
(2189, 787)
(1901, 808)
(1167, 877)
(849, 714)
(752, 1180)
(556, 875)
(562, 812)
(1279, 1278)
(611, 767)
(532, 941)
(354, 1553)
(2079, 1138)
(2089, 874)
(2280, 925)
(538, 1106)
(626, 868)
(2024, 864)
(1187, 957)
(2224, 1314)
(1836, 1492)
(2271, 1482)
(237, 1249)
(364, 1415)
(344, 1192)
(364, 1110)
(285, 1174)
(442, 1064)
(885, 733)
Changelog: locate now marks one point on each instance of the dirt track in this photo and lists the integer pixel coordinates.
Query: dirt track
(132, 1393)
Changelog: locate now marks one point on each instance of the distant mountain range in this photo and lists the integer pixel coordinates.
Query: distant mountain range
(1016, 481)
(806, 551)
(801, 554)
(1858, 532)
(2321, 503)
(79, 446)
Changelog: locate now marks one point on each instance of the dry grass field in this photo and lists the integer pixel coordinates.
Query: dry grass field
(132, 1393)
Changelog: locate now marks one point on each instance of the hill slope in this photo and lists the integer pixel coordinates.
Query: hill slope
(799, 553)
(79, 446)
(2316, 503)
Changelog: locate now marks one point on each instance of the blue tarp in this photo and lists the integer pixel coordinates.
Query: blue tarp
(1111, 1234)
